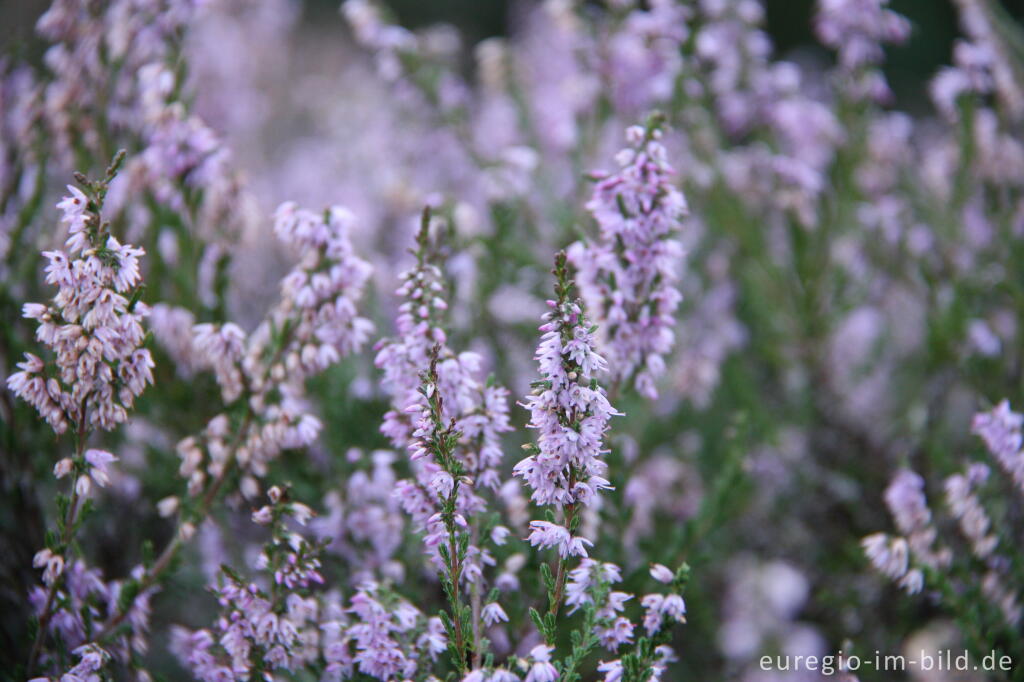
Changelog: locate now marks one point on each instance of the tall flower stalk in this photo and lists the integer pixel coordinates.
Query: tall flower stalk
(93, 326)
(450, 424)
(570, 411)
(629, 274)
(438, 439)
(262, 375)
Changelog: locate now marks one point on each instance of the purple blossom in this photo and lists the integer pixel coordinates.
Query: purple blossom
(857, 29)
(477, 411)
(93, 330)
(541, 669)
(570, 412)
(628, 276)
(661, 573)
(1000, 428)
(493, 613)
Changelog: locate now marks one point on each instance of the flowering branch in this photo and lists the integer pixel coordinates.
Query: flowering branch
(93, 326)
(313, 326)
(440, 440)
(628, 275)
(569, 409)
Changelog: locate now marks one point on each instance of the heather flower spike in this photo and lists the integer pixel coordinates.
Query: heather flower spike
(261, 628)
(93, 325)
(438, 438)
(93, 328)
(570, 412)
(451, 425)
(629, 274)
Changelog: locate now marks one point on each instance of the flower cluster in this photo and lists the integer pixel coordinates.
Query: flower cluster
(259, 630)
(891, 556)
(84, 602)
(313, 326)
(287, 627)
(448, 397)
(93, 325)
(857, 29)
(647, 660)
(87, 41)
(418, 325)
(390, 636)
(570, 412)
(454, 445)
(628, 277)
(589, 584)
(365, 525)
(1000, 428)
(866, 260)
(917, 552)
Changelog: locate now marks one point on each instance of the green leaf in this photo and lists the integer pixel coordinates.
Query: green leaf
(538, 621)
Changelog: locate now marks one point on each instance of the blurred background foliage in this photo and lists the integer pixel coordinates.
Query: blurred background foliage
(788, 22)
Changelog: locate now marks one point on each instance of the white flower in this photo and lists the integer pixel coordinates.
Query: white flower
(99, 461)
(493, 613)
(663, 574)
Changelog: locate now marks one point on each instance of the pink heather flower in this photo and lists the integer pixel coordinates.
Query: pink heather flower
(403, 358)
(644, 57)
(628, 275)
(674, 607)
(95, 334)
(91, 660)
(52, 563)
(313, 326)
(73, 214)
(966, 508)
(541, 669)
(434, 640)
(545, 534)
(493, 613)
(889, 556)
(221, 348)
(587, 575)
(913, 581)
(499, 534)
(659, 607)
(663, 574)
(83, 595)
(857, 28)
(589, 579)
(652, 604)
(906, 501)
(612, 636)
(99, 460)
(73, 206)
(1000, 428)
(126, 273)
(570, 413)
(418, 366)
(63, 467)
(612, 670)
(377, 653)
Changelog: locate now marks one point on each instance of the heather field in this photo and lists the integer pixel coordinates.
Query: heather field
(512, 340)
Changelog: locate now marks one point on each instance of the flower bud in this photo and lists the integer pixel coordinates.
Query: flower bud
(167, 506)
(63, 467)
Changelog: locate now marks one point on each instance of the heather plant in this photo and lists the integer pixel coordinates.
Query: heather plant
(629, 346)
